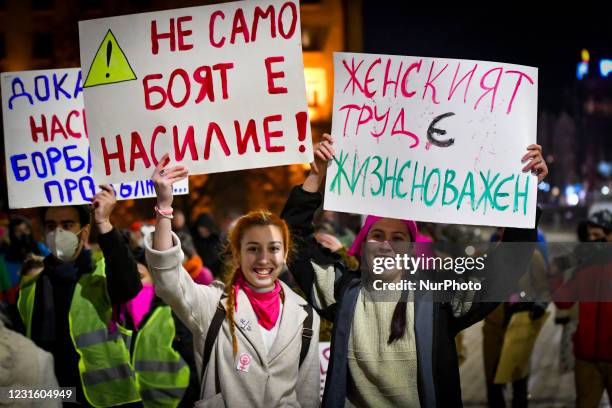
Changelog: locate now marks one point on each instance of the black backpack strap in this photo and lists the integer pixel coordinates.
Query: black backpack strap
(307, 333)
(211, 336)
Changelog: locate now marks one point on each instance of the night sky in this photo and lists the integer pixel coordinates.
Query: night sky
(550, 43)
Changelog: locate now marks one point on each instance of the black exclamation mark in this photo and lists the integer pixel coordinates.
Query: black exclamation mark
(109, 50)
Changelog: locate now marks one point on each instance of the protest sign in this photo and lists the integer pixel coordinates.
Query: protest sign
(219, 87)
(433, 139)
(45, 139)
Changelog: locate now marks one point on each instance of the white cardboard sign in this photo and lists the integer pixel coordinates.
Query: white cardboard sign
(433, 139)
(46, 146)
(219, 87)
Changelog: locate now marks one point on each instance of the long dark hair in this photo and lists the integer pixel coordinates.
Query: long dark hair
(398, 321)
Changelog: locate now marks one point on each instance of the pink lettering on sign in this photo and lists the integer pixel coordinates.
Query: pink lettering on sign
(456, 85)
(378, 121)
(401, 79)
(520, 77)
(488, 88)
(430, 82)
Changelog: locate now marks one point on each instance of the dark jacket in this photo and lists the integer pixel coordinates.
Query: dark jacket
(54, 290)
(436, 324)
(210, 249)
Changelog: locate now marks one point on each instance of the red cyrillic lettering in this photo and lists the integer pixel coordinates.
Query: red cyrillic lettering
(270, 134)
(249, 133)
(272, 89)
(223, 68)
(203, 76)
(118, 155)
(367, 92)
(188, 141)
(387, 81)
(454, 87)
(211, 29)
(57, 128)
(36, 130)
(281, 28)
(259, 13)
(414, 65)
(516, 87)
(183, 33)
(155, 37)
(71, 132)
(352, 71)
(239, 26)
(430, 82)
(158, 129)
(214, 128)
(148, 90)
(489, 89)
(137, 151)
(183, 74)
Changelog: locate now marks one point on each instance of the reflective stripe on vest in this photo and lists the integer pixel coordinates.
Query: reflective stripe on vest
(94, 377)
(104, 365)
(100, 336)
(161, 373)
(152, 395)
(161, 366)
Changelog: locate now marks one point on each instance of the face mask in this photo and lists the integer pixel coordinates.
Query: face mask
(63, 244)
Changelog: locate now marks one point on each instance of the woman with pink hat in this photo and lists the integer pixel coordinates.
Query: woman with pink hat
(398, 353)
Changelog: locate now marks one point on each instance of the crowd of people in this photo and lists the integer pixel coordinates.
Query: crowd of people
(161, 314)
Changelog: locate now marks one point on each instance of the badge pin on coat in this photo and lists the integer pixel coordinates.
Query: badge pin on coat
(245, 324)
(244, 361)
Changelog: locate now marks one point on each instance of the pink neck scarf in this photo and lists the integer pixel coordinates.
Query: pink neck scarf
(266, 305)
(139, 306)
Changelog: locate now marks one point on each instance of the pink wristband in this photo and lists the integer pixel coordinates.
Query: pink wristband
(166, 213)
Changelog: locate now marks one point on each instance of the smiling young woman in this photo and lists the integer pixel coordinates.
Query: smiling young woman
(398, 353)
(256, 341)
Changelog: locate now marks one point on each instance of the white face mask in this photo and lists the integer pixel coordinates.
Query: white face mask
(63, 244)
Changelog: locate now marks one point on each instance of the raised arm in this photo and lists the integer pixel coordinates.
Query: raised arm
(163, 179)
(194, 304)
(122, 278)
(313, 266)
(515, 258)
(323, 154)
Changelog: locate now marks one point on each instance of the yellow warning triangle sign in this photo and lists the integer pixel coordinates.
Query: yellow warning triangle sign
(110, 65)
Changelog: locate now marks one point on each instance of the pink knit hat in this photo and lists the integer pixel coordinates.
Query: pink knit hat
(355, 249)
